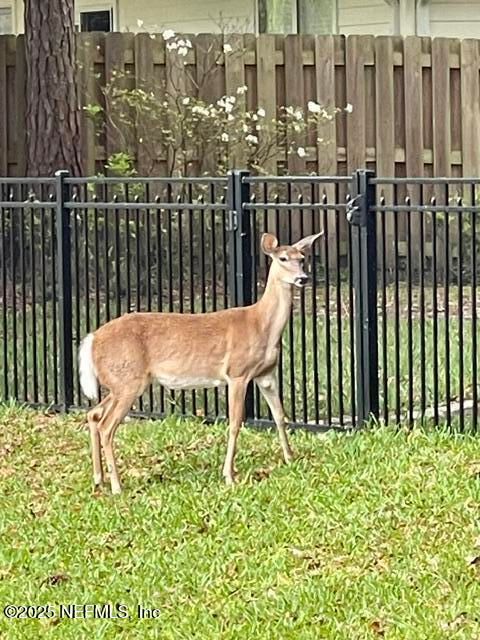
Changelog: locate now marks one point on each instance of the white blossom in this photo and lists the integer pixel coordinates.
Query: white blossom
(251, 139)
(349, 108)
(261, 112)
(172, 46)
(184, 43)
(202, 111)
(182, 51)
(227, 48)
(242, 90)
(295, 113)
(314, 107)
(225, 137)
(245, 128)
(140, 24)
(301, 152)
(226, 103)
(168, 34)
(185, 101)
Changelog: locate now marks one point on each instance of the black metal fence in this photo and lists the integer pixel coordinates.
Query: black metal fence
(388, 327)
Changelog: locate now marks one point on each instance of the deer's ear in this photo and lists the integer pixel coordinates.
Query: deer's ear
(268, 243)
(306, 243)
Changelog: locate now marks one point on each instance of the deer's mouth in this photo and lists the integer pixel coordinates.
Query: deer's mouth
(300, 281)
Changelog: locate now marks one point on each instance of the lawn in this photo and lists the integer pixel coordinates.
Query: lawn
(367, 535)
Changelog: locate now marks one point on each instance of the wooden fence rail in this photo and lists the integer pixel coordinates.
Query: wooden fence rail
(416, 101)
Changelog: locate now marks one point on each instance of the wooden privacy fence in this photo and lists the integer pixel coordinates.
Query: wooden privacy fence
(416, 101)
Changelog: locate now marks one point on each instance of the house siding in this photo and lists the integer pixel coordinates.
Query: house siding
(447, 18)
(365, 17)
(189, 16)
(17, 16)
(455, 18)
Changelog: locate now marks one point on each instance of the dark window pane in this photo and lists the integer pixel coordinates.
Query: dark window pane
(95, 21)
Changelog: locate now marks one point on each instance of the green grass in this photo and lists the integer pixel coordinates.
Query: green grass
(369, 535)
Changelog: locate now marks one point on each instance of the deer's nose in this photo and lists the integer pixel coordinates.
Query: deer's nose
(301, 281)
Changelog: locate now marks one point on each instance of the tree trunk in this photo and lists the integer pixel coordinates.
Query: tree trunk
(52, 106)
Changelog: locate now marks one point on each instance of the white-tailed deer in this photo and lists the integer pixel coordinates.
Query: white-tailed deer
(187, 351)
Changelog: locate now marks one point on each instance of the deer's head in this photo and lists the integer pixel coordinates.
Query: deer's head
(288, 260)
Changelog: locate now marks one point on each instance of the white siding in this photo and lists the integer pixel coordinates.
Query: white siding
(7, 18)
(189, 16)
(17, 13)
(365, 17)
(448, 18)
(455, 18)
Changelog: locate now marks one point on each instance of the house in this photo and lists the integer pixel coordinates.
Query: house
(449, 18)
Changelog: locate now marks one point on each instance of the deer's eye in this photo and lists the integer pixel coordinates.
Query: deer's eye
(283, 259)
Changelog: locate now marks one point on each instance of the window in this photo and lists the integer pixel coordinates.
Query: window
(96, 20)
(6, 21)
(297, 16)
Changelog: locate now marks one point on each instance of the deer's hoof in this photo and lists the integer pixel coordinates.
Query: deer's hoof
(230, 480)
(97, 481)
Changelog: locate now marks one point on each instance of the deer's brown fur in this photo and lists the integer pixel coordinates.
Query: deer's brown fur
(229, 347)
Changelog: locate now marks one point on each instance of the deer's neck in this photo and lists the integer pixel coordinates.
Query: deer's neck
(275, 307)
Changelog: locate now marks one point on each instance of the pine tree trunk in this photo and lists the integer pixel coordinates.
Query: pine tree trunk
(52, 106)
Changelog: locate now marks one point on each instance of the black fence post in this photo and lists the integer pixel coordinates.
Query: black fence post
(240, 254)
(364, 256)
(64, 285)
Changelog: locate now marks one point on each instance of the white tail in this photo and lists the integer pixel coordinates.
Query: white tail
(88, 376)
(184, 351)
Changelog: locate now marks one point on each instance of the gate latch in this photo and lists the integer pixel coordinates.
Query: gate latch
(232, 224)
(355, 210)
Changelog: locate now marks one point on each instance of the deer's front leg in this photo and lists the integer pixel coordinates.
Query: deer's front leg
(236, 405)
(268, 386)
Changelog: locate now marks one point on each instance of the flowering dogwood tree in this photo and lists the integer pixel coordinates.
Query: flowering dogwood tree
(194, 136)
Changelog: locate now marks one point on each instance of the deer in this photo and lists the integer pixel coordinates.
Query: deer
(230, 347)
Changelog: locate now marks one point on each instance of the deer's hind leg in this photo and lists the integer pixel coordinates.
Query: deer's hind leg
(112, 417)
(94, 416)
